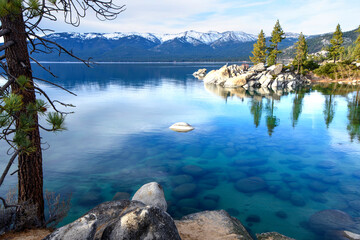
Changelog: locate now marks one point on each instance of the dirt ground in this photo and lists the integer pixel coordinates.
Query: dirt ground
(36, 234)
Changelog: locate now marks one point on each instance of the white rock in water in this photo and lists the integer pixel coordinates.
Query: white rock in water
(151, 194)
(181, 127)
(351, 235)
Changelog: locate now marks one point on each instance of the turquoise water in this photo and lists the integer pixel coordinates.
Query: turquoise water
(271, 161)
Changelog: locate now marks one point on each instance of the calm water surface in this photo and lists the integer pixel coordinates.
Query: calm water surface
(300, 150)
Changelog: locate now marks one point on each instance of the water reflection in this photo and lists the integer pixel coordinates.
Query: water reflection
(256, 109)
(353, 116)
(297, 106)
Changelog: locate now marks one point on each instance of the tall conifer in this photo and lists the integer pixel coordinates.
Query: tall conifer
(259, 52)
(356, 53)
(337, 40)
(301, 52)
(277, 36)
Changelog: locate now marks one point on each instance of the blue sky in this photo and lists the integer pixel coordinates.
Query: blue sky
(170, 16)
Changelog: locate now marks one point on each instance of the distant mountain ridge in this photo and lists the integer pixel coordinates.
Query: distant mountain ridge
(133, 46)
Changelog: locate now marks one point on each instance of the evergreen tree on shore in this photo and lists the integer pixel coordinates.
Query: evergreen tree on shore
(277, 36)
(301, 52)
(337, 40)
(356, 53)
(259, 52)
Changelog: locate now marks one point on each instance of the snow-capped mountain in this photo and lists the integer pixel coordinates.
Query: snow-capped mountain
(134, 46)
(190, 36)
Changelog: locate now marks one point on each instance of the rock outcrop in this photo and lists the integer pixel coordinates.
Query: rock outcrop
(200, 74)
(122, 219)
(211, 225)
(272, 236)
(258, 76)
(151, 194)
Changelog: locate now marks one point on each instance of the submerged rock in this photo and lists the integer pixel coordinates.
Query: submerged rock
(330, 219)
(211, 225)
(251, 184)
(181, 127)
(151, 194)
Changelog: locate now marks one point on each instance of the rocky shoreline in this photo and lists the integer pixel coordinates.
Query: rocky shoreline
(145, 217)
(275, 77)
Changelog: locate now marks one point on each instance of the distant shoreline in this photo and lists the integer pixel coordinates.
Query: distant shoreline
(220, 62)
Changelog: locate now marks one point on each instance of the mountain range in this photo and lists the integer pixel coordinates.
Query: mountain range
(149, 47)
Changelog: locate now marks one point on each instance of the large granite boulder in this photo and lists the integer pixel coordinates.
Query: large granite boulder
(217, 76)
(275, 69)
(151, 194)
(260, 67)
(119, 220)
(211, 225)
(272, 236)
(237, 81)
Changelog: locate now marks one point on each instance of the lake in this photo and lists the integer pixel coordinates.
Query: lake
(271, 161)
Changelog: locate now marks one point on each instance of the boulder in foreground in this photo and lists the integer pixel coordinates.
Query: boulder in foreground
(122, 219)
(211, 225)
(151, 194)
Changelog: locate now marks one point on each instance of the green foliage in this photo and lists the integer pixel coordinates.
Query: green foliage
(10, 7)
(12, 103)
(341, 70)
(277, 36)
(310, 65)
(353, 116)
(356, 50)
(259, 52)
(336, 49)
(56, 120)
(301, 52)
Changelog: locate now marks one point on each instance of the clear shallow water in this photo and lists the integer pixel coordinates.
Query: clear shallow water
(300, 148)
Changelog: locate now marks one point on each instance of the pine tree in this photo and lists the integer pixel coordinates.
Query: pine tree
(259, 52)
(19, 108)
(301, 52)
(335, 50)
(356, 53)
(277, 36)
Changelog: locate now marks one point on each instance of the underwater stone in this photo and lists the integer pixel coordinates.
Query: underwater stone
(214, 197)
(274, 188)
(229, 152)
(326, 164)
(253, 218)
(181, 179)
(185, 190)
(193, 170)
(355, 204)
(318, 198)
(250, 162)
(283, 194)
(330, 220)
(208, 204)
(318, 186)
(297, 200)
(188, 202)
(281, 214)
(251, 184)
(272, 236)
(233, 211)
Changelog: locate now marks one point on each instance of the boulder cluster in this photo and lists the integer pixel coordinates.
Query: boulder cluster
(259, 76)
(145, 217)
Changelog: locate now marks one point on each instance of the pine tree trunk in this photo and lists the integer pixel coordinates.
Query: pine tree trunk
(30, 175)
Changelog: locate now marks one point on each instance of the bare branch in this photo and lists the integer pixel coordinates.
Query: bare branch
(5, 31)
(6, 45)
(8, 167)
(43, 80)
